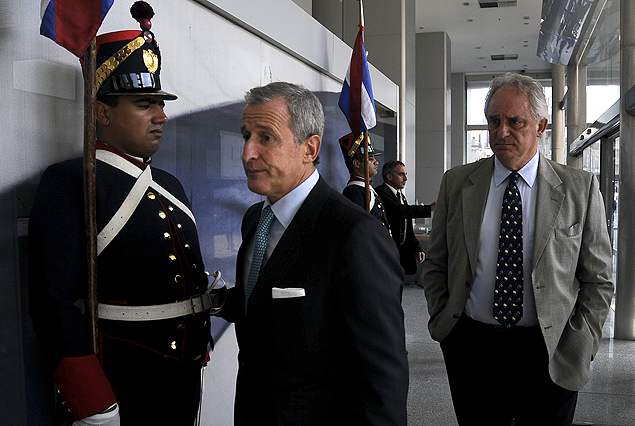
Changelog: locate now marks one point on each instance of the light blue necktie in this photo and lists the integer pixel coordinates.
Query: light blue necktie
(508, 293)
(262, 237)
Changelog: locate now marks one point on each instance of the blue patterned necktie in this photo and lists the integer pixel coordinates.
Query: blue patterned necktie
(508, 292)
(260, 245)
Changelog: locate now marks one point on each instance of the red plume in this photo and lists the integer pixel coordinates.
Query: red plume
(142, 12)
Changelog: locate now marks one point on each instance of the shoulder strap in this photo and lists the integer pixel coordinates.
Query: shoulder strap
(127, 208)
(363, 185)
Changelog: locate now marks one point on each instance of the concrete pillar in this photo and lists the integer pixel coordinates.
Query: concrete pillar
(557, 114)
(459, 132)
(625, 286)
(433, 113)
(329, 14)
(390, 42)
(574, 127)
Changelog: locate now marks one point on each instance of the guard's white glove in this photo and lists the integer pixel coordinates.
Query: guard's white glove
(111, 418)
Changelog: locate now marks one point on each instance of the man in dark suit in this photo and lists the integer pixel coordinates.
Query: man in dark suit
(319, 325)
(400, 214)
(518, 275)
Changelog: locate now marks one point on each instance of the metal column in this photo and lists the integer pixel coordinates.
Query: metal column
(557, 114)
(625, 286)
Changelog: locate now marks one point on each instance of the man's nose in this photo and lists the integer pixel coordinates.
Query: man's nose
(249, 151)
(159, 115)
(503, 130)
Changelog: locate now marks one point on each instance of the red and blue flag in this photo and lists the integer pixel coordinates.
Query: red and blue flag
(73, 23)
(356, 100)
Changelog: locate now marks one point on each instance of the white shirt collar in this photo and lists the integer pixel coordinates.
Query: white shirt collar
(392, 189)
(287, 206)
(529, 172)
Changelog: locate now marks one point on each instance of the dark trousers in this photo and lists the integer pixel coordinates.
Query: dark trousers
(152, 389)
(501, 377)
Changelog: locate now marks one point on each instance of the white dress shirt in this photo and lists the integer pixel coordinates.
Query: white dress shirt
(284, 210)
(480, 303)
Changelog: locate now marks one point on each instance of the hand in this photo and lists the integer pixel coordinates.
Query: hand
(107, 418)
(433, 205)
(421, 256)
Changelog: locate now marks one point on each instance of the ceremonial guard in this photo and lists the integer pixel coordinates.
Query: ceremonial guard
(153, 293)
(355, 190)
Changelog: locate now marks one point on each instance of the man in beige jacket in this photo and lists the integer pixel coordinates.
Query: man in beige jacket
(518, 353)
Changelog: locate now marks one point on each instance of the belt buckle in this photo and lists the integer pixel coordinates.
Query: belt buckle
(212, 301)
(200, 303)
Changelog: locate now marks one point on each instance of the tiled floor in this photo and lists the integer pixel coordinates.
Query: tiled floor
(608, 398)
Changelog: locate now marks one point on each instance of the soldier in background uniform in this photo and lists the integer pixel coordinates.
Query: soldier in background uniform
(355, 189)
(149, 264)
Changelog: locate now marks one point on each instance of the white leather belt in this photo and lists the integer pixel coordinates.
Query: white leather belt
(209, 301)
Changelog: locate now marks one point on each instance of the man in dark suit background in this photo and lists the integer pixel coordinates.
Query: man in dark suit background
(319, 325)
(400, 214)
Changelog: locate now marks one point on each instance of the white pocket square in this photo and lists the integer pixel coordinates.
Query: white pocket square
(286, 293)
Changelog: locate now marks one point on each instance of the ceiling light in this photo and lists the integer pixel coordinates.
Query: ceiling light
(505, 57)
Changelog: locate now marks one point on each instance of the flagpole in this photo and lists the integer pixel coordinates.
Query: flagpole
(366, 174)
(90, 197)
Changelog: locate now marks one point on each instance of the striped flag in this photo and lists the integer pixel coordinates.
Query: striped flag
(356, 100)
(73, 23)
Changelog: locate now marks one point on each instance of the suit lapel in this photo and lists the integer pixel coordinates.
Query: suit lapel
(292, 245)
(548, 204)
(474, 198)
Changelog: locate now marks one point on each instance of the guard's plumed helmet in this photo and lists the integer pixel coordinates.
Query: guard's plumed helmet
(129, 62)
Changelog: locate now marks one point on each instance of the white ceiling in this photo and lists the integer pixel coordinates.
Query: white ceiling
(477, 33)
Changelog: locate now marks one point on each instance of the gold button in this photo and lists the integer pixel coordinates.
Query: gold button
(187, 246)
(206, 272)
(162, 214)
(197, 357)
(173, 345)
(151, 195)
(171, 208)
(181, 326)
(178, 225)
(178, 279)
(194, 267)
(172, 258)
(167, 236)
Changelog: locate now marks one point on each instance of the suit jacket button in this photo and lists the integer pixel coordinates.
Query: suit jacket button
(457, 316)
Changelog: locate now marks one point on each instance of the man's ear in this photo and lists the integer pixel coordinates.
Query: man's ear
(311, 148)
(102, 113)
(542, 126)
